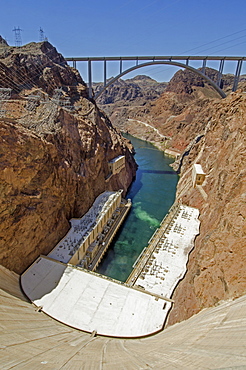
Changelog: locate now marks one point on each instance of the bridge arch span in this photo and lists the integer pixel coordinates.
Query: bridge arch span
(177, 64)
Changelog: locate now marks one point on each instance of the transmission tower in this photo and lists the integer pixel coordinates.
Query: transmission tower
(33, 102)
(57, 96)
(41, 34)
(66, 103)
(5, 94)
(17, 32)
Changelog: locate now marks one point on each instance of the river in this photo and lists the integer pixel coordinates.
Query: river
(152, 193)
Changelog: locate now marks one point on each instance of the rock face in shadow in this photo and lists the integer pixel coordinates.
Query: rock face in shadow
(54, 148)
(127, 98)
(133, 91)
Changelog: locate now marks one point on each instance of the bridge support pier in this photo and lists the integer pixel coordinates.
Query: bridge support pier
(90, 78)
(204, 66)
(220, 72)
(105, 73)
(237, 74)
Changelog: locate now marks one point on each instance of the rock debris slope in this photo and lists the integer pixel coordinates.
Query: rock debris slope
(55, 145)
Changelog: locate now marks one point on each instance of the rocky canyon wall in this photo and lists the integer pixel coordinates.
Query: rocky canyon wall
(191, 120)
(53, 158)
(216, 268)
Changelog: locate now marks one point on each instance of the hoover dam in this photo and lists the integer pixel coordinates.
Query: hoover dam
(212, 339)
(59, 153)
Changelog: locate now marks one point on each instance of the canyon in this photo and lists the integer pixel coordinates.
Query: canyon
(55, 145)
(192, 123)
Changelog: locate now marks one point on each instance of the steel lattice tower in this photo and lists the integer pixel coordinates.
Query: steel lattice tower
(17, 32)
(41, 34)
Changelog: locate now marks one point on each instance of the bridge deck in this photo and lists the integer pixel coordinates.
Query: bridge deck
(168, 57)
(178, 61)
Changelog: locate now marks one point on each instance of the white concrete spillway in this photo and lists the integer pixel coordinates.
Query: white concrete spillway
(90, 302)
(167, 264)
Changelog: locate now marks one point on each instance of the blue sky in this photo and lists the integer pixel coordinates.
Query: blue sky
(130, 27)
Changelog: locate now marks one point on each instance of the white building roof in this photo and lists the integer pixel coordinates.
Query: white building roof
(198, 169)
(81, 227)
(116, 159)
(168, 262)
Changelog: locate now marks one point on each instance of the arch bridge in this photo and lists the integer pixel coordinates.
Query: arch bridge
(145, 61)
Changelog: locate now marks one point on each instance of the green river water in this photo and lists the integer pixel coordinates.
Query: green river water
(152, 193)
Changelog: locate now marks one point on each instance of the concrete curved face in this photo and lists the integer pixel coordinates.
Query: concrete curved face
(213, 339)
(88, 302)
(177, 64)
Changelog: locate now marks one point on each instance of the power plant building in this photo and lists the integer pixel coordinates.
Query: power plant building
(198, 176)
(86, 235)
(116, 164)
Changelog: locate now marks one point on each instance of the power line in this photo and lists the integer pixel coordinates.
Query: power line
(212, 47)
(219, 39)
(4, 95)
(57, 100)
(28, 82)
(240, 43)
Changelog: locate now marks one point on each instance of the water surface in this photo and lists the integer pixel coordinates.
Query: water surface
(152, 194)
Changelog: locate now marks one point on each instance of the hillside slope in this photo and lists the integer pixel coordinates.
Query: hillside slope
(125, 97)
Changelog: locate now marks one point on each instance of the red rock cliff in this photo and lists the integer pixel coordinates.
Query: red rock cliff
(205, 129)
(53, 160)
(211, 131)
(216, 268)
